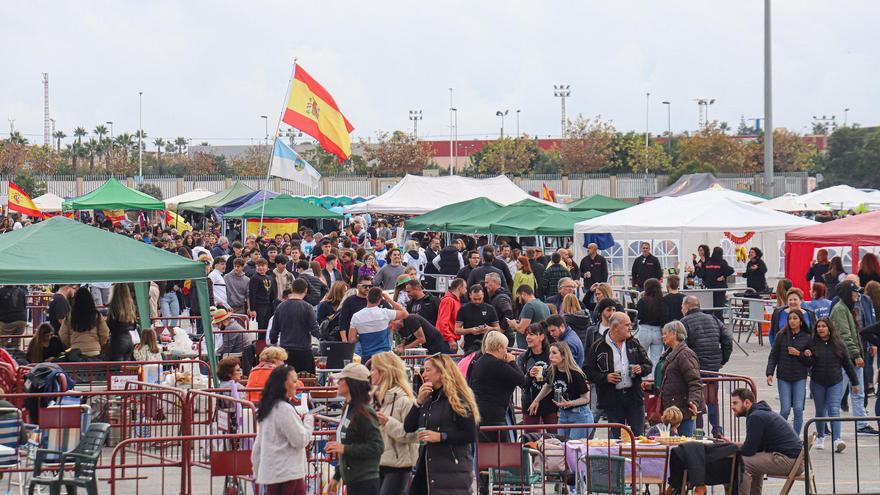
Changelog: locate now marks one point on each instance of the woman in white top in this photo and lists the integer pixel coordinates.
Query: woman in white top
(279, 453)
(414, 256)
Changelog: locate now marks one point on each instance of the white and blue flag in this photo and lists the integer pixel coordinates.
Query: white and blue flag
(287, 164)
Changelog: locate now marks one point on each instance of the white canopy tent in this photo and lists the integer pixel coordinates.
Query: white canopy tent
(49, 203)
(718, 191)
(415, 194)
(675, 226)
(172, 202)
(791, 202)
(840, 197)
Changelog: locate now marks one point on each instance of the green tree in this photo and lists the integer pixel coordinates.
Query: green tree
(79, 133)
(31, 184)
(715, 149)
(159, 143)
(181, 143)
(507, 156)
(631, 155)
(588, 146)
(17, 138)
(151, 189)
(58, 135)
(397, 153)
(692, 167)
(852, 157)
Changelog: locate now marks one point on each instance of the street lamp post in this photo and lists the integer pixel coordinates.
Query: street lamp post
(768, 104)
(647, 120)
(140, 135)
(668, 126)
(517, 123)
(501, 113)
(451, 133)
(415, 116)
(845, 116)
(266, 124)
(562, 91)
(110, 123)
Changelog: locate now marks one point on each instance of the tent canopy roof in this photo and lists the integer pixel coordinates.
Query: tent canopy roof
(195, 194)
(719, 191)
(839, 197)
(792, 202)
(49, 202)
(858, 229)
(283, 206)
(113, 195)
(208, 203)
(438, 219)
(480, 222)
(541, 221)
(243, 201)
(63, 251)
(671, 215)
(600, 203)
(416, 195)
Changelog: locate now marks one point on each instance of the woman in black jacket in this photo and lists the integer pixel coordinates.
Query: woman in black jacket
(653, 314)
(446, 417)
(535, 364)
(493, 377)
(121, 320)
(756, 271)
(715, 273)
(788, 362)
(826, 356)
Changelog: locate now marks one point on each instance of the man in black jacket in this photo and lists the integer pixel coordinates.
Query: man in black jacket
(645, 266)
(616, 365)
(537, 269)
(771, 445)
(421, 303)
(293, 326)
(449, 261)
(499, 264)
(262, 290)
(478, 275)
(473, 261)
(317, 288)
(433, 252)
(594, 267)
(352, 304)
(500, 299)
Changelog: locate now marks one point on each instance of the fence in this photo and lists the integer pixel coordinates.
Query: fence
(836, 475)
(576, 186)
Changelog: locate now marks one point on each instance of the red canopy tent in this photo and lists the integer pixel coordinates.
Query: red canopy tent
(853, 232)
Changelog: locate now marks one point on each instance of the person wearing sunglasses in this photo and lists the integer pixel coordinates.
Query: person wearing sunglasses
(354, 303)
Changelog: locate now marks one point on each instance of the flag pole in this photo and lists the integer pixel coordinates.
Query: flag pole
(272, 148)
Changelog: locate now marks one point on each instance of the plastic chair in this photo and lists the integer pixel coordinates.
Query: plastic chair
(85, 458)
(11, 428)
(604, 474)
(509, 466)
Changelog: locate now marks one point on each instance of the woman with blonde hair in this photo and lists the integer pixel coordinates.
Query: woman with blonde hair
(446, 417)
(270, 358)
(494, 376)
(568, 383)
(392, 399)
(332, 301)
(575, 317)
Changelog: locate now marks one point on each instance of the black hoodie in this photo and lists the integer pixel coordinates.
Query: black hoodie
(766, 431)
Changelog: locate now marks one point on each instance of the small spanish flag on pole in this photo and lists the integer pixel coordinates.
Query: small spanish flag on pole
(547, 194)
(20, 201)
(311, 109)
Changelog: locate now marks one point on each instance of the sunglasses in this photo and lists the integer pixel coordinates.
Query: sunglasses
(365, 286)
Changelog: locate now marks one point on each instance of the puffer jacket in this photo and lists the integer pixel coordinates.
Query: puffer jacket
(317, 288)
(787, 367)
(681, 380)
(401, 448)
(708, 338)
(843, 321)
(443, 468)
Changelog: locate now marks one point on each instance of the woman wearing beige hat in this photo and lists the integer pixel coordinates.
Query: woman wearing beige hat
(358, 444)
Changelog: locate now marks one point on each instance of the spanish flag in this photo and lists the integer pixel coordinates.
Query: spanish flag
(547, 194)
(311, 109)
(114, 216)
(20, 201)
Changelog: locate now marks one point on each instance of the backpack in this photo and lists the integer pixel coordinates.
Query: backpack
(328, 330)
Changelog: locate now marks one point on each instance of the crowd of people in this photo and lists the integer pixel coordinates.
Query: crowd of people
(518, 318)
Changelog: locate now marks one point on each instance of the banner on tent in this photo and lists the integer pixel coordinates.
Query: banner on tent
(273, 226)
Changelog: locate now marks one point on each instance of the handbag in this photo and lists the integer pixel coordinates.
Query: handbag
(654, 408)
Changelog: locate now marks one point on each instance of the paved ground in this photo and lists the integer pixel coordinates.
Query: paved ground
(829, 468)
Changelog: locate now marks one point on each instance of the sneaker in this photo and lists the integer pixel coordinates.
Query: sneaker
(867, 430)
(820, 443)
(839, 446)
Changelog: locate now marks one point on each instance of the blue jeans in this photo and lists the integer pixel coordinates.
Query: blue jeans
(575, 415)
(827, 400)
(169, 305)
(858, 400)
(651, 340)
(792, 396)
(687, 427)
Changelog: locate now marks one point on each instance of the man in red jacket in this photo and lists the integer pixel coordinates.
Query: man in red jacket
(449, 306)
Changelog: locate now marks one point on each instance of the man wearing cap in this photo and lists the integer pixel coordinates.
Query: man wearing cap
(227, 343)
(293, 325)
(370, 325)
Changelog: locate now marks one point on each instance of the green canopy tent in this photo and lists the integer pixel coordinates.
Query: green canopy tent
(437, 220)
(205, 205)
(282, 206)
(479, 222)
(113, 195)
(63, 251)
(600, 203)
(541, 222)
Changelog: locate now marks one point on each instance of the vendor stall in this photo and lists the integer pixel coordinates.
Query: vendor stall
(205, 205)
(280, 213)
(113, 195)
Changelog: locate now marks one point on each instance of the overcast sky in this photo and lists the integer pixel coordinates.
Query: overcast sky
(209, 69)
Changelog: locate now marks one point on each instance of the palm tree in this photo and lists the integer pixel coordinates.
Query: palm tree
(79, 133)
(100, 131)
(180, 142)
(15, 137)
(58, 135)
(73, 152)
(90, 148)
(125, 141)
(159, 143)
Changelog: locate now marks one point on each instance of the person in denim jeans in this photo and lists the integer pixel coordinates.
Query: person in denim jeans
(169, 305)
(653, 314)
(568, 383)
(788, 362)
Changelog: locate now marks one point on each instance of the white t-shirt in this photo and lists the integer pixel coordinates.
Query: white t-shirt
(219, 288)
(371, 320)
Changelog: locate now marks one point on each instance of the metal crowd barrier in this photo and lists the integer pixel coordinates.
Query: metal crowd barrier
(861, 459)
